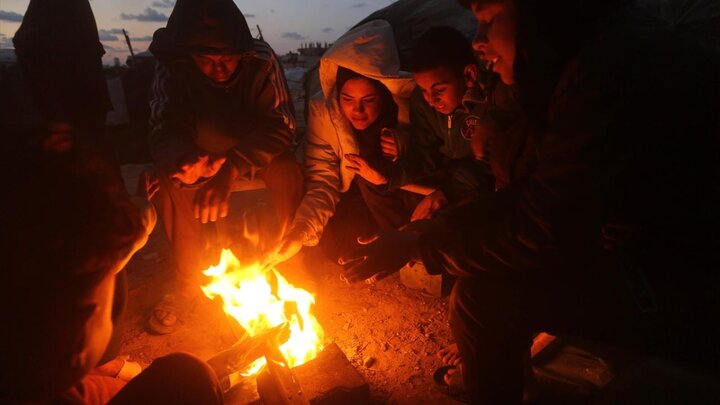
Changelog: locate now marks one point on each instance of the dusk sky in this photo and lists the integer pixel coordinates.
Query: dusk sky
(285, 23)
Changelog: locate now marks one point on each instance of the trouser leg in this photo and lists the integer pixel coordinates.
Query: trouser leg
(284, 180)
(493, 339)
(390, 209)
(175, 208)
(174, 379)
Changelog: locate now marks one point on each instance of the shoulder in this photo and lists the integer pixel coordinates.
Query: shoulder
(263, 51)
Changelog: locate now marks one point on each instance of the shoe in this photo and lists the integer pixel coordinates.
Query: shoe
(166, 316)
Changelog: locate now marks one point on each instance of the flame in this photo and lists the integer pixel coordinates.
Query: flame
(248, 296)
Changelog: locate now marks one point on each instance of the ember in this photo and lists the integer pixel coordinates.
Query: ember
(262, 300)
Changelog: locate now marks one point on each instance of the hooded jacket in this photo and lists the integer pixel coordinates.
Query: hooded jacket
(249, 118)
(369, 50)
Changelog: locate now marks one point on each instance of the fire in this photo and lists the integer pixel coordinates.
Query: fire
(261, 300)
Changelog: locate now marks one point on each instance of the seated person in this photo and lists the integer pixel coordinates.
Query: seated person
(222, 121)
(68, 227)
(363, 94)
(454, 102)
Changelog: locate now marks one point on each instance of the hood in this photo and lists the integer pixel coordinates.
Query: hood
(369, 50)
(215, 27)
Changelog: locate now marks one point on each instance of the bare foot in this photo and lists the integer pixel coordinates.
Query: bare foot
(450, 355)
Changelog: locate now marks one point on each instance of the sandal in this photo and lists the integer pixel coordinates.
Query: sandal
(455, 388)
(174, 308)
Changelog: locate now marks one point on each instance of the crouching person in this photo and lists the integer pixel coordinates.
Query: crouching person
(364, 94)
(68, 227)
(222, 121)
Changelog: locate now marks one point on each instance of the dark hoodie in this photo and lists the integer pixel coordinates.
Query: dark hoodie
(249, 118)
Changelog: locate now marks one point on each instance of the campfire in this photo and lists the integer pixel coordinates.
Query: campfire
(263, 302)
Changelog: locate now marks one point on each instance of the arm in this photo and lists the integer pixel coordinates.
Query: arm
(274, 128)
(322, 174)
(171, 128)
(423, 150)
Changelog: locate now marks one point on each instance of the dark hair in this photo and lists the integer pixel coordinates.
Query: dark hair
(389, 107)
(440, 47)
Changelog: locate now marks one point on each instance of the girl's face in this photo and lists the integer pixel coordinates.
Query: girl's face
(360, 102)
(495, 38)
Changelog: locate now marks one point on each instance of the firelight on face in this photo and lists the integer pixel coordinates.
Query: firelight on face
(495, 38)
(360, 102)
(219, 68)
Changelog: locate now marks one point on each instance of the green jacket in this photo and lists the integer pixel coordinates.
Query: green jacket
(438, 151)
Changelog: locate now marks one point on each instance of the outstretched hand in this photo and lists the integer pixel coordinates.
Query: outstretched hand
(289, 246)
(363, 169)
(196, 166)
(379, 256)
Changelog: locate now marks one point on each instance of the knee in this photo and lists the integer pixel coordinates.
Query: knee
(284, 167)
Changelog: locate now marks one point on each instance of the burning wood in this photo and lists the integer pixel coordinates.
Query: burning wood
(261, 301)
(229, 364)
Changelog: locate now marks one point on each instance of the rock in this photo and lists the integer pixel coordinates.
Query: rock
(368, 361)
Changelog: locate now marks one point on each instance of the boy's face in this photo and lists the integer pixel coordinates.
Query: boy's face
(495, 38)
(442, 87)
(218, 68)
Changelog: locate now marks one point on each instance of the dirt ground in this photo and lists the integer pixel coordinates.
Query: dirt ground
(392, 335)
(396, 331)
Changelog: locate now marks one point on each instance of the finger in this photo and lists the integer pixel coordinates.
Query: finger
(213, 209)
(224, 209)
(366, 240)
(196, 206)
(353, 169)
(350, 259)
(205, 208)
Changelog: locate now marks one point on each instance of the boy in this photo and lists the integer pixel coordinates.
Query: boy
(222, 121)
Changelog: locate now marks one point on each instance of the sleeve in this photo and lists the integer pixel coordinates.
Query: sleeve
(171, 127)
(423, 154)
(549, 220)
(322, 175)
(274, 129)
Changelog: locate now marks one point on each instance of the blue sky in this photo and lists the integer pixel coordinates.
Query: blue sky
(285, 23)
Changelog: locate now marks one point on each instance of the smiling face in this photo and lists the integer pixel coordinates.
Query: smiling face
(442, 88)
(360, 102)
(219, 68)
(495, 38)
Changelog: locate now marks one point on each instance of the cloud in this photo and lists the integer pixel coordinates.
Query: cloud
(327, 29)
(358, 5)
(249, 15)
(147, 15)
(146, 38)
(163, 3)
(110, 48)
(292, 35)
(10, 16)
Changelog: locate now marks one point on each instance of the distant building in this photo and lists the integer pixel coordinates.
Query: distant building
(307, 56)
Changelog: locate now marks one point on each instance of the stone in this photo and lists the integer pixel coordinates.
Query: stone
(331, 379)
